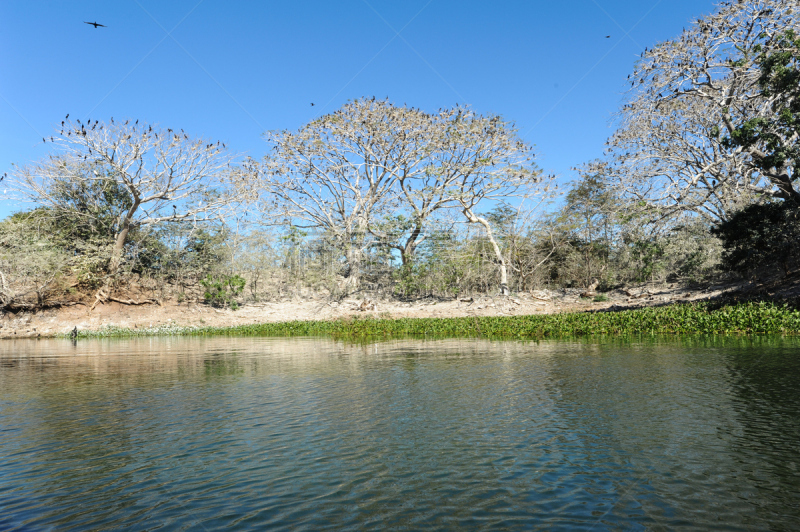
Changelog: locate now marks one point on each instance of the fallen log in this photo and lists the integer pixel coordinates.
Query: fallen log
(133, 302)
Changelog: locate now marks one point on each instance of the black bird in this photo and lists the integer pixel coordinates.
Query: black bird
(312, 104)
(608, 36)
(66, 117)
(43, 140)
(74, 334)
(95, 24)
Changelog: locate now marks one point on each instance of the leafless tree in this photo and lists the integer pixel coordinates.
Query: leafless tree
(144, 174)
(347, 172)
(687, 96)
(338, 172)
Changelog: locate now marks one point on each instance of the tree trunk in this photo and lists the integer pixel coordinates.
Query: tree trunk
(783, 181)
(497, 252)
(122, 237)
(116, 253)
(407, 253)
(353, 256)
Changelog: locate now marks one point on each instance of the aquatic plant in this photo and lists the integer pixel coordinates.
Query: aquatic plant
(683, 319)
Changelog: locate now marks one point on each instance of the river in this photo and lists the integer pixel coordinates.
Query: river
(316, 434)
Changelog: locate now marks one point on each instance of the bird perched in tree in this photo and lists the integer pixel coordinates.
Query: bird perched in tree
(95, 24)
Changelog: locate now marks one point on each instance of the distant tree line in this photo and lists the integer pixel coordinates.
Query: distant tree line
(699, 182)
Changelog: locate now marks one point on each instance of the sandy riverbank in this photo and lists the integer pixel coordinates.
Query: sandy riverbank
(52, 322)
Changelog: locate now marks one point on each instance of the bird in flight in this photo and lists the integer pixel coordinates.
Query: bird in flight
(95, 24)
(312, 104)
(608, 36)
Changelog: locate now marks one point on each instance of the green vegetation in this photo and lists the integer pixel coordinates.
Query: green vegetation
(776, 133)
(687, 319)
(385, 200)
(222, 291)
(763, 235)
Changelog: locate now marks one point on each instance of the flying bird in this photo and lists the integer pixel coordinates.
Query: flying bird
(95, 24)
(608, 36)
(312, 104)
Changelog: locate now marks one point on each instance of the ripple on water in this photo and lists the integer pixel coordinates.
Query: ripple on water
(309, 434)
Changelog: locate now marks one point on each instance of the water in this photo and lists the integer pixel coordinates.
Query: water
(310, 434)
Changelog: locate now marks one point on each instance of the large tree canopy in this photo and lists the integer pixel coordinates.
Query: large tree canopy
(688, 95)
(123, 176)
(348, 172)
(773, 136)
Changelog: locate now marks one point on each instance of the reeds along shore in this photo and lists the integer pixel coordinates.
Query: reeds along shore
(680, 319)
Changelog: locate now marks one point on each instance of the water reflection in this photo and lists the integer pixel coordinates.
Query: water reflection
(450, 434)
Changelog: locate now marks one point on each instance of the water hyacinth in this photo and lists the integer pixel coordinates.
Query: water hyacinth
(683, 319)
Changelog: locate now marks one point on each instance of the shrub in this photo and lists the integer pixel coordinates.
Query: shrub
(761, 237)
(222, 291)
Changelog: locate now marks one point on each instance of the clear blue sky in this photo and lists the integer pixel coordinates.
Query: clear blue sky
(231, 70)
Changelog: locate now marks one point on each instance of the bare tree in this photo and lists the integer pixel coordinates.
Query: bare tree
(338, 173)
(348, 171)
(469, 158)
(144, 175)
(687, 96)
(492, 165)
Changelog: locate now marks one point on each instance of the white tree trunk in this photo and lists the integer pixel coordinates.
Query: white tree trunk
(504, 290)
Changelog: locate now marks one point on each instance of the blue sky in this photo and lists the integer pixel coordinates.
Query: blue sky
(231, 70)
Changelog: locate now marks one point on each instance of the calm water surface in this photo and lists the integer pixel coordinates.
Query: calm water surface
(311, 434)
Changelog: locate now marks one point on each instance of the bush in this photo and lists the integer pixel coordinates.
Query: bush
(762, 237)
(222, 291)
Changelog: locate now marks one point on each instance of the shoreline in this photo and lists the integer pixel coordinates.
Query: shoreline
(326, 316)
(701, 318)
